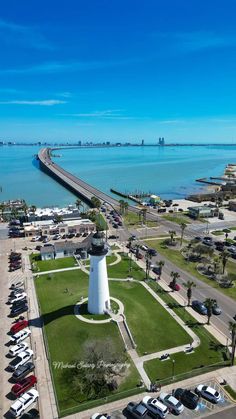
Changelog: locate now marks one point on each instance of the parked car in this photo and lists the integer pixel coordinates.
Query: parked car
(23, 385)
(112, 236)
(14, 268)
(174, 286)
(17, 297)
(17, 349)
(187, 397)
(20, 359)
(197, 239)
(155, 406)
(138, 410)
(16, 291)
(208, 393)
(35, 239)
(173, 404)
(23, 402)
(15, 311)
(19, 336)
(219, 245)
(208, 241)
(20, 303)
(46, 240)
(199, 307)
(70, 235)
(139, 256)
(144, 247)
(18, 326)
(57, 237)
(22, 371)
(17, 285)
(31, 414)
(152, 252)
(99, 416)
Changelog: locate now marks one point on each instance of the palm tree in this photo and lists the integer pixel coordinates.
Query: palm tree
(209, 304)
(189, 285)
(121, 202)
(174, 276)
(25, 208)
(2, 208)
(183, 227)
(33, 208)
(126, 206)
(224, 256)
(161, 264)
(172, 233)
(232, 329)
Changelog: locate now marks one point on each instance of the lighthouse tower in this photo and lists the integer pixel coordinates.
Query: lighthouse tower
(98, 296)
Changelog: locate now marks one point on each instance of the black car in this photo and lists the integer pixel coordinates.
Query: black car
(187, 397)
(22, 371)
(31, 414)
(199, 307)
(156, 270)
(152, 252)
(112, 236)
(19, 303)
(18, 310)
(219, 245)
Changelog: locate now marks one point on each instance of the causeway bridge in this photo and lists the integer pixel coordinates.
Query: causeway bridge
(73, 183)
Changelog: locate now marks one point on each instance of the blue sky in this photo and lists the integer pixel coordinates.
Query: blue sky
(118, 70)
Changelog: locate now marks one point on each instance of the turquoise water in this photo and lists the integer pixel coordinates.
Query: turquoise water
(168, 171)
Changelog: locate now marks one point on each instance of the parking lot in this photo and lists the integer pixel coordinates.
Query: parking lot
(204, 408)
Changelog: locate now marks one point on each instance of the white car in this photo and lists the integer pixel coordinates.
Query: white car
(36, 239)
(155, 406)
(17, 297)
(17, 349)
(172, 403)
(143, 247)
(19, 336)
(99, 416)
(21, 359)
(23, 402)
(208, 393)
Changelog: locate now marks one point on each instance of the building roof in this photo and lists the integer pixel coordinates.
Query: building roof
(47, 249)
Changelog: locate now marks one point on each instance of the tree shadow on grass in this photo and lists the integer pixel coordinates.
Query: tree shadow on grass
(193, 324)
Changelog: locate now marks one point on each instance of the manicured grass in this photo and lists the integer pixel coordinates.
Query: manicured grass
(133, 219)
(217, 233)
(147, 319)
(121, 269)
(176, 218)
(209, 351)
(49, 265)
(57, 295)
(176, 257)
(110, 259)
(231, 391)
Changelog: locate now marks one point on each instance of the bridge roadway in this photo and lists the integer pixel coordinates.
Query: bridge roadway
(78, 186)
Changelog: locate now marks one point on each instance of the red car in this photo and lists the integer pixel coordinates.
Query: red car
(23, 385)
(174, 287)
(19, 326)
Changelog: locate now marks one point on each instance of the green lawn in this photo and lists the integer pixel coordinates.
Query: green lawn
(49, 265)
(178, 219)
(176, 257)
(217, 233)
(209, 351)
(121, 269)
(57, 295)
(146, 318)
(133, 219)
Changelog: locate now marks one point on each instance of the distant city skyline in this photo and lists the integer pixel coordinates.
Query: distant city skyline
(121, 70)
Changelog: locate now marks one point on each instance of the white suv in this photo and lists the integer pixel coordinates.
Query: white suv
(17, 349)
(17, 297)
(208, 393)
(21, 359)
(23, 402)
(155, 406)
(19, 336)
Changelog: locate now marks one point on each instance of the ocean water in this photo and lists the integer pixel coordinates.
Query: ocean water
(166, 171)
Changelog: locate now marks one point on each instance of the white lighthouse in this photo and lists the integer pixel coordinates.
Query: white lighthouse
(98, 296)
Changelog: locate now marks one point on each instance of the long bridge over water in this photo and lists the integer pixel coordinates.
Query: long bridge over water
(76, 185)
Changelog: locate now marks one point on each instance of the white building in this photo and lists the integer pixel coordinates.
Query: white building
(98, 295)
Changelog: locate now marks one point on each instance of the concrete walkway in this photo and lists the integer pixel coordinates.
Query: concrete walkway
(54, 271)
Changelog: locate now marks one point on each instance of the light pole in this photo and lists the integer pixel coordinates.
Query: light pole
(173, 368)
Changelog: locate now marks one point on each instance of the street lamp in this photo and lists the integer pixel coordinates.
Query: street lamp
(173, 368)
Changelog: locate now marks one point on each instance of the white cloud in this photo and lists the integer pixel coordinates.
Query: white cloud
(48, 102)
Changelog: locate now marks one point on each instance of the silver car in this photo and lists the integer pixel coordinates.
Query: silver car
(172, 403)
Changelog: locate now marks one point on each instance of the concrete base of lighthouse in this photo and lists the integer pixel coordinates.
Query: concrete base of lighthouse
(98, 295)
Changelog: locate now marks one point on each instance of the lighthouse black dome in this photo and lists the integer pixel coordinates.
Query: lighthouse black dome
(98, 244)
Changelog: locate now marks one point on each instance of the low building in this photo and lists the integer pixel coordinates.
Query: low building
(47, 252)
(49, 228)
(232, 205)
(155, 200)
(204, 211)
